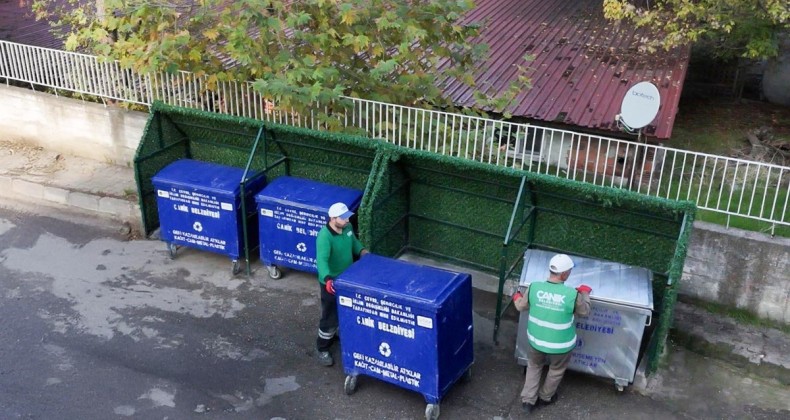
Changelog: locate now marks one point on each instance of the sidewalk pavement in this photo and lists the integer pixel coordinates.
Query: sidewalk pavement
(41, 177)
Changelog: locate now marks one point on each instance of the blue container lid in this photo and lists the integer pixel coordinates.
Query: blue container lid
(308, 194)
(206, 176)
(401, 279)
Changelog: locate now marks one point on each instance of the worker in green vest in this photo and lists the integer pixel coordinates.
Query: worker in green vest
(551, 330)
(336, 247)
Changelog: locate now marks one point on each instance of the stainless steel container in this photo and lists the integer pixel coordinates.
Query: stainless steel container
(609, 338)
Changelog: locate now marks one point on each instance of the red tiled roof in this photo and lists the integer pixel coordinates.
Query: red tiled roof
(18, 24)
(583, 63)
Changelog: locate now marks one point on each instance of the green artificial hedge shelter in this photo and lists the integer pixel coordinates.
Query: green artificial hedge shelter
(451, 209)
(485, 216)
(173, 133)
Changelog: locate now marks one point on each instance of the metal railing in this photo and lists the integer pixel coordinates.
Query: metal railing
(724, 185)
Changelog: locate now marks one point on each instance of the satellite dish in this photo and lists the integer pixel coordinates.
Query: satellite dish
(640, 106)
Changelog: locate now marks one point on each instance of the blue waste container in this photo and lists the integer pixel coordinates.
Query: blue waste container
(199, 206)
(406, 324)
(291, 211)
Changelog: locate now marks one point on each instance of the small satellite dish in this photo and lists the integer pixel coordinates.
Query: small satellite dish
(640, 106)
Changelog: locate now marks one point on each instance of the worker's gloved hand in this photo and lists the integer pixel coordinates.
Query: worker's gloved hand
(517, 296)
(330, 286)
(584, 289)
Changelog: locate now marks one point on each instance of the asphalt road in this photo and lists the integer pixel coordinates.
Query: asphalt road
(97, 326)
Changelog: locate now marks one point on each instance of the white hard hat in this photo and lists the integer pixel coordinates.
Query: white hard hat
(560, 263)
(340, 210)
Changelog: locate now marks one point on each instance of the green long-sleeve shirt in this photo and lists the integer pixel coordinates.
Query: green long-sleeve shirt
(335, 251)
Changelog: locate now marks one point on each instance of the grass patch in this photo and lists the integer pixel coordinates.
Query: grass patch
(745, 198)
(129, 193)
(743, 223)
(719, 125)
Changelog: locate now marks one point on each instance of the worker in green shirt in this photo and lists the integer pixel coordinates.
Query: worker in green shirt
(336, 248)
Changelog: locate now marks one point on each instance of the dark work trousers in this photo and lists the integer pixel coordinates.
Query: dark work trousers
(327, 327)
(536, 360)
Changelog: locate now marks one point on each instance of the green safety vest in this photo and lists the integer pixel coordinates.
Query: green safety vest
(550, 328)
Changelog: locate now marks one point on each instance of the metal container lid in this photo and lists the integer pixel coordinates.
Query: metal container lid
(611, 282)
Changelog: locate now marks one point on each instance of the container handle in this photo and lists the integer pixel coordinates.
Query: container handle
(649, 320)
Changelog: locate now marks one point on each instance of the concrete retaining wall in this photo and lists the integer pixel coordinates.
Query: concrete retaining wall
(95, 131)
(738, 268)
(728, 266)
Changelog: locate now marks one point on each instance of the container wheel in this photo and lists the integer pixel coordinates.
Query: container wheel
(467, 376)
(171, 249)
(274, 272)
(350, 384)
(235, 267)
(431, 411)
(619, 388)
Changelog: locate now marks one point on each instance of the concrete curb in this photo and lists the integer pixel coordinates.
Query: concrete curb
(124, 210)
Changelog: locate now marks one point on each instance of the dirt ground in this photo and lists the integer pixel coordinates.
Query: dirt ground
(20, 157)
(719, 125)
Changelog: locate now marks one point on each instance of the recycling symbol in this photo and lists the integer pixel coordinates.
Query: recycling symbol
(198, 227)
(384, 349)
(301, 247)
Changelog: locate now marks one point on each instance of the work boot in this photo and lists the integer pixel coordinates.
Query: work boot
(527, 407)
(552, 400)
(325, 358)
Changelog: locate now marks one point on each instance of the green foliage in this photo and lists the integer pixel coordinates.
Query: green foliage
(298, 53)
(748, 28)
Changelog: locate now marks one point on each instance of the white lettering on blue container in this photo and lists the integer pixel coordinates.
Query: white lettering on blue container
(386, 369)
(396, 329)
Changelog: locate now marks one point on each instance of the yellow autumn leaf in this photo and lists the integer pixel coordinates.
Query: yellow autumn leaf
(211, 34)
(348, 17)
(211, 81)
(195, 55)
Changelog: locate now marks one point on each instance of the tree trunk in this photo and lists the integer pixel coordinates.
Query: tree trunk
(776, 79)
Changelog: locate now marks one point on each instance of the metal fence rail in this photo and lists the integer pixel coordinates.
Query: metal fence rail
(724, 185)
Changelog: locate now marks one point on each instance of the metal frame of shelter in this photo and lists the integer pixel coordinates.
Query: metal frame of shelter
(144, 192)
(485, 217)
(522, 215)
